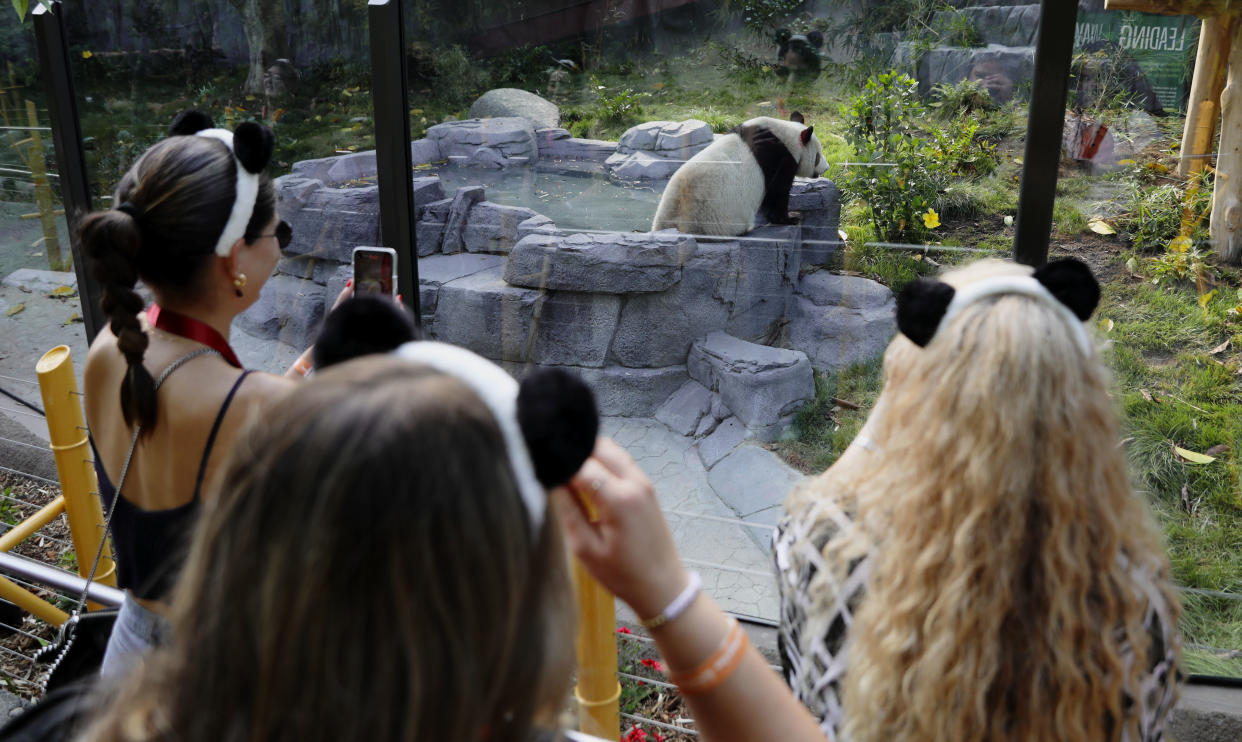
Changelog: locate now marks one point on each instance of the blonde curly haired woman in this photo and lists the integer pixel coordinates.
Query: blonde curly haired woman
(976, 566)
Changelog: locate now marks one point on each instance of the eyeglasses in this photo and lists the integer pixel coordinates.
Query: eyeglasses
(283, 234)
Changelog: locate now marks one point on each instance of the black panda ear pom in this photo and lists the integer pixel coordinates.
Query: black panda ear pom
(190, 122)
(252, 144)
(1071, 282)
(361, 325)
(816, 38)
(920, 307)
(557, 415)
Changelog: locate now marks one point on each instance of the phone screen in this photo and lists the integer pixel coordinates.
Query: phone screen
(373, 272)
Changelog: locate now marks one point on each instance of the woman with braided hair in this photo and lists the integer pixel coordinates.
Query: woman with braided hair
(195, 221)
(976, 566)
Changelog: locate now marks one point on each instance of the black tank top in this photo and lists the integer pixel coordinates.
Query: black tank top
(150, 545)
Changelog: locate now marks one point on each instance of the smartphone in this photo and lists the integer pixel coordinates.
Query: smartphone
(375, 270)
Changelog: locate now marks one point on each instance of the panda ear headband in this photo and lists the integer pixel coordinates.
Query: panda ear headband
(925, 306)
(549, 421)
(251, 145)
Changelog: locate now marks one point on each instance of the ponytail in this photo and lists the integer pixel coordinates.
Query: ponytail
(113, 242)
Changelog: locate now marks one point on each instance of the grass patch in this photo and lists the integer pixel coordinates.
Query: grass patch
(823, 429)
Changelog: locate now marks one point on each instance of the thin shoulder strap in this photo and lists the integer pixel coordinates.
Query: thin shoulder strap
(215, 428)
(129, 456)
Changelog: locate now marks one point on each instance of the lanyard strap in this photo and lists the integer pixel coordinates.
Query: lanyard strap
(192, 329)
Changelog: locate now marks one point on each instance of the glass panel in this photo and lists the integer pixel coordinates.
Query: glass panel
(1137, 207)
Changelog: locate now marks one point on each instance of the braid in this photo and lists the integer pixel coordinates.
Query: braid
(113, 241)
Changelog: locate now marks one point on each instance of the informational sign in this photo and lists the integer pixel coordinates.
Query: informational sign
(1162, 45)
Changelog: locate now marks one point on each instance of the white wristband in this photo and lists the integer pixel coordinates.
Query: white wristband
(679, 604)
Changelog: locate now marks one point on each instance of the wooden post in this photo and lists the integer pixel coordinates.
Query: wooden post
(1204, 105)
(43, 191)
(598, 691)
(1227, 195)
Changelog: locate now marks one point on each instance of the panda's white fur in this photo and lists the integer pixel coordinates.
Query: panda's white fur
(719, 190)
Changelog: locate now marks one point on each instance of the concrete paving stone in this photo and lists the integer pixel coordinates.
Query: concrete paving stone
(685, 408)
(727, 436)
(752, 479)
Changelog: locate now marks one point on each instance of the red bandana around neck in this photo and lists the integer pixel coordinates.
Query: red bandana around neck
(191, 329)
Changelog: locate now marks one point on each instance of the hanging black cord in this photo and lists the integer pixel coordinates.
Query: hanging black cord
(21, 401)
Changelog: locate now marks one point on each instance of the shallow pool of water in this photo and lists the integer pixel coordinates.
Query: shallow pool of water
(585, 200)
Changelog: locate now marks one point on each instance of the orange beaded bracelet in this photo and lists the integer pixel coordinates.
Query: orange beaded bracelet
(717, 668)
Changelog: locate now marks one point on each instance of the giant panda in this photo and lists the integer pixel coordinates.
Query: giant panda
(719, 190)
(799, 55)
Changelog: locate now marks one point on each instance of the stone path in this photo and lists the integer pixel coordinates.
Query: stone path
(704, 509)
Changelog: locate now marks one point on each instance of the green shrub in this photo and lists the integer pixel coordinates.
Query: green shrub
(1157, 214)
(459, 79)
(896, 172)
(617, 106)
(967, 96)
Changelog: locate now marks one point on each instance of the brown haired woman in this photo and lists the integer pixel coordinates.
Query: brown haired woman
(976, 566)
(415, 589)
(195, 220)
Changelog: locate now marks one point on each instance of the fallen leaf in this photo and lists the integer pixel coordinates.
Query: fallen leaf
(1101, 227)
(1106, 324)
(1217, 450)
(1219, 349)
(15, 309)
(1191, 457)
(1147, 395)
(75, 317)
(1008, 220)
(62, 291)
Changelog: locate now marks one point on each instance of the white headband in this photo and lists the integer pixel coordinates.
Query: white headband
(499, 392)
(247, 192)
(1025, 285)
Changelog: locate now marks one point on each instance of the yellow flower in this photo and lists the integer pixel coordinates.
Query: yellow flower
(1180, 244)
(931, 219)
(86, 54)
(1126, 162)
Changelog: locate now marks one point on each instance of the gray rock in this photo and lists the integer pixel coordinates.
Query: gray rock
(483, 313)
(657, 329)
(557, 144)
(40, 281)
(612, 262)
(836, 337)
(316, 169)
(685, 408)
(537, 224)
(512, 102)
(632, 392)
(762, 386)
(826, 289)
(752, 479)
(655, 149)
(512, 141)
(706, 425)
(427, 189)
(760, 280)
(424, 152)
(438, 270)
(574, 329)
(334, 221)
(493, 227)
(334, 282)
(292, 193)
(289, 309)
(429, 231)
(463, 201)
(351, 167)
(299, 266)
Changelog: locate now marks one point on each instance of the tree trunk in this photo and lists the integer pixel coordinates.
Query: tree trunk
(275, 31)
(1205, 89)
(1227, 194)
(252, 23)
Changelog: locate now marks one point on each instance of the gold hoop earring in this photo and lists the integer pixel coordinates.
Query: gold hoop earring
(239, 283)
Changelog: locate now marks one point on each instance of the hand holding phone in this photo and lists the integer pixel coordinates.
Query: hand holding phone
(375, 270)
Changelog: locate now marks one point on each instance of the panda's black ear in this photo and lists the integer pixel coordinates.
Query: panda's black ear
(253, 143)
(806, 134)
(816, 38)
(797, 118)
(1071, 282)
(783, 35)
(557, 415)
(190, 122)
(920, 307)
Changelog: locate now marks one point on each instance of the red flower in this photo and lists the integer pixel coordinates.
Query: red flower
(635, 735)
(623, 630)
(654, 665)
